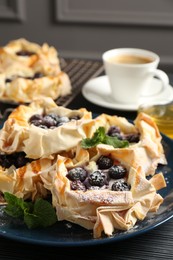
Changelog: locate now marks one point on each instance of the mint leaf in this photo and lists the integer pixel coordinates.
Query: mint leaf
(31, 220)
(97, 138)
(101, 137)
(43, 215)
(115, 142)
(45, 212)
(16, 206)
(35, 214)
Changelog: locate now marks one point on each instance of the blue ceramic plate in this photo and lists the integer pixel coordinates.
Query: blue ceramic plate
(65, 234)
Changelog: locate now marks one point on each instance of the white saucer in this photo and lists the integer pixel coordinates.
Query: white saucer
(97, 91)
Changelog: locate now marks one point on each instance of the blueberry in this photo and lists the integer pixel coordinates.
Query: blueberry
(77, 173)
(117, 172)
(77, 185)
(104, 162)
(97, 178)
(16, 159)
(49, 121)
(37, 122)
(21, 160)
(120, 186)
(132, 138)
(5, 161)
(8, 80)
(36, 119)
(54, 116)
(113, 131)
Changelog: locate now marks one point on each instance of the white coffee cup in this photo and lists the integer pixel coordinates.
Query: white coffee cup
(130, 72)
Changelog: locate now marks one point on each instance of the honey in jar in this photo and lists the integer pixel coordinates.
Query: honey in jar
(162, 114)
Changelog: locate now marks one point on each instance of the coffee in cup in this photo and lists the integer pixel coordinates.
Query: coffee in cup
(130, 59)
(130, 73)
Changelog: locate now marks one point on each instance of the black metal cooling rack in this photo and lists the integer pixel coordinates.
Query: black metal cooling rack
(79, 72)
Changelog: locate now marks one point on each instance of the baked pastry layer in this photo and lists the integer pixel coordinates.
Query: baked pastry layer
(20, 134)
(29, 70)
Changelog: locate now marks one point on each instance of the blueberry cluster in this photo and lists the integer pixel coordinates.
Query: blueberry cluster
(107, 172)
(116, 132)
(17, 159)
(50, 120)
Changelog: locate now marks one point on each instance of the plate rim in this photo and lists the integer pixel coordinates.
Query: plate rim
(88, 242)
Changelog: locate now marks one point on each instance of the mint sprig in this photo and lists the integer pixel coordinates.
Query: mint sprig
(100, 137)
(34, 214)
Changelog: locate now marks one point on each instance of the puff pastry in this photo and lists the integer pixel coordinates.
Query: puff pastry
(28, 70)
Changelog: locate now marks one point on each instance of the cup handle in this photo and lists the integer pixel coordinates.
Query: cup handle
(160, 74)
(163, 77)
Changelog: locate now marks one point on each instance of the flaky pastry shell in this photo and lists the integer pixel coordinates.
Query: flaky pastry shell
(18, 134)
(28, 70)
(101, 210)
(24, 90)
(40, 58)
(149, 137)
(25, 182)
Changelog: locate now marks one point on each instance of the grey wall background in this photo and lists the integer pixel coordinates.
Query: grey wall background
(86, 28)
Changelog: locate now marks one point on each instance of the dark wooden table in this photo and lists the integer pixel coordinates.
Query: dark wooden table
(154, 244)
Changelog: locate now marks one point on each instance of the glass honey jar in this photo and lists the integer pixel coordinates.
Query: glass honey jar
(161, 113)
